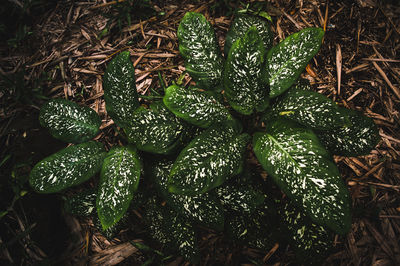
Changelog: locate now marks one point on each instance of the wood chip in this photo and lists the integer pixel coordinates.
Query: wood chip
(394, 89)
(354, 94)
(113, 255)
(271, 252)
(338, 66)
(381, 240)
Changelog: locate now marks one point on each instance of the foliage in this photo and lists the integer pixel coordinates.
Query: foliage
(204, 146)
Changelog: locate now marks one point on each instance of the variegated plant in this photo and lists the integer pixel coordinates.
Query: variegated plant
(200, 144)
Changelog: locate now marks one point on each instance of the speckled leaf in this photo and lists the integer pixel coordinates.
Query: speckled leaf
(197, 107)
(241, 25)
(310, 109)
(304, 170)
(311, 242)
(258, 230)
(240, 198)
(68, 167)
(171, 230)
(202, 209)
(114, 229)
(69, 122)
(154, 217)
(302, 84)
(82, 204)
(119, 179)
(155, 130)
(289, 58)
(244, 75)
(185, 237)
(199, 48)
(119, 87)
(208, 161)
(359, 138)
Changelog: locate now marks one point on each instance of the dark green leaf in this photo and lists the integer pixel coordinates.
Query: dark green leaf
(114, 229)
(154, 216)
(119, 87)
(302, 84)
(244, 75)
(82, 204)
(69, 122)
(208, 160)
(185, 237)
(199, 47)
(119, 179)
(203, 209)
(66, 168)
(199, 108)
(155, 130)
(304, 170)
(289, 58)
(241, 24)
(258, 230)
(241, 198)
(310, 109)
(311, 242)
(171, 230)
(359, 138)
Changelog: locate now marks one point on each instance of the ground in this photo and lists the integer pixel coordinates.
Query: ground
(65, 53)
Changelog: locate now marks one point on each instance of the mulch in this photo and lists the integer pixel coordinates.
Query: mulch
(358, 66)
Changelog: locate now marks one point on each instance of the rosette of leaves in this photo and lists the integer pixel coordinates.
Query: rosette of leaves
(199, 132)
(289, 149)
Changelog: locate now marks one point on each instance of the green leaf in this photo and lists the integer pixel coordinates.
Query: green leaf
(155, 130)
(304, 170)
(185, 237)
(66, 168)
(199, 108)
(244, 75)
(302, 84)
(202, 209)
(171, 230)
(242, 23)
(69, 122)
(208, 160)
(289, 58)
(241, 198)
(119, 179)
(310, 109)
(358, 138)
(119, 87)
(82, 204)
(114, 229)
(311, 242)
(199, 48)
(256, 230)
